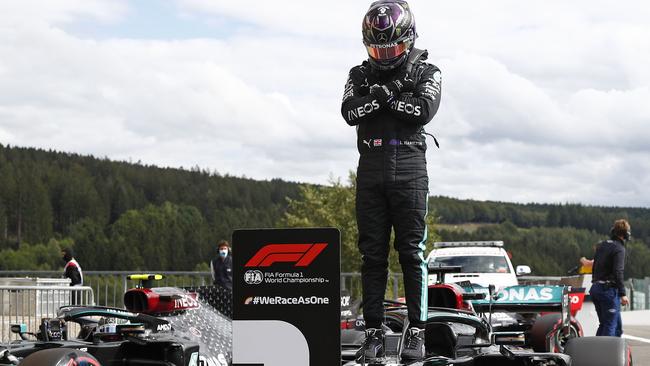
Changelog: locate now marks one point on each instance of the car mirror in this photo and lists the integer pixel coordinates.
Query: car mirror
(18, 328)
(523, 270)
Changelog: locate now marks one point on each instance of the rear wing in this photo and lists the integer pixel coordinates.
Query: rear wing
(523, 299)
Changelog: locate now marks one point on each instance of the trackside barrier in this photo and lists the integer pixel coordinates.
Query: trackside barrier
(109, 286)
(639, 293)
(29, 304)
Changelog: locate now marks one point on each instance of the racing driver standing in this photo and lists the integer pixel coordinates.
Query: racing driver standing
(389, 98)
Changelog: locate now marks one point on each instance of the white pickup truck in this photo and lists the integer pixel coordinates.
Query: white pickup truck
(483, 263)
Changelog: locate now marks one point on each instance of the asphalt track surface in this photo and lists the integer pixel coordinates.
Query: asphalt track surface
(636, 330)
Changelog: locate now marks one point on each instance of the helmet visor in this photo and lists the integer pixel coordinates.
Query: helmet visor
(384, 52)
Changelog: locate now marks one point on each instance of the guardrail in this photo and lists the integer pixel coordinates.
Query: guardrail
(109, 286)
(29, 304)
(639, 293)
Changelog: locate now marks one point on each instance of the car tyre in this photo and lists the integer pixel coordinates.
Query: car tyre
(550, 323)
(598, 351)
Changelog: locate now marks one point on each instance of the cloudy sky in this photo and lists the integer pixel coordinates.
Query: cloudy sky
(543, 101)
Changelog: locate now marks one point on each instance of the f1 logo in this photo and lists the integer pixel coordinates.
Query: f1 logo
(300, 254)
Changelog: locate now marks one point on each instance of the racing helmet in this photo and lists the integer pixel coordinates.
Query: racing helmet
(388, 33)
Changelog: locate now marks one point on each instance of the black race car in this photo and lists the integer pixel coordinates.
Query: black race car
(461, 338)
(105, 336)
(160, 326)
(460, 332)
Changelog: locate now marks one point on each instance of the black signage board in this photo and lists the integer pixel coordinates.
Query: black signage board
(286, 297)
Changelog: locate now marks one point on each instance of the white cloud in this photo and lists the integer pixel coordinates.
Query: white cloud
(170, 103)
(60, 11)
(320, 20)
(541, 101)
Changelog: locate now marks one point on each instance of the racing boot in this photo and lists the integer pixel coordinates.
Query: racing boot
(373, 346)
(413, 345)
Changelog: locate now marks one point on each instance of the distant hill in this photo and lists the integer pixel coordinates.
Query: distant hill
(123, 215)
(549, 237)
(596, 218)
(49, 194)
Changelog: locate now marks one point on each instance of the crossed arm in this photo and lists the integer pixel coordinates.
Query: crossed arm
(410, 102)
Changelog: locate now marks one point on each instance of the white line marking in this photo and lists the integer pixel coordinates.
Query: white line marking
(633, 338)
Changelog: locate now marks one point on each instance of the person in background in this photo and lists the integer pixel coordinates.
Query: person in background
(72, 269)
(222, 266)
(607, 289)
(586, 266)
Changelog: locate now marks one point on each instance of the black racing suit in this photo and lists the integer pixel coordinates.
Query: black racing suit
(222, 271)
(392, 182)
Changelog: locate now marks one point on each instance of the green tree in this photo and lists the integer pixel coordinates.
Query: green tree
(637, 260)
(92, 248)
(334, 206)
(8, 202)
(123, 197)
(331, 206)
(549, 251)
(165, 237)
(33, 211)
(4, 224)
(34, 257)
(77, 198)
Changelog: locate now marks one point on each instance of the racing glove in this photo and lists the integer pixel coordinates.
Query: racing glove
(402, 83)
(382, 93)
(364, 90)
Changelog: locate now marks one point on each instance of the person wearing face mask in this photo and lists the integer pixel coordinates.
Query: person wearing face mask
(607, 289)
(72, 269)
(222, 266)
